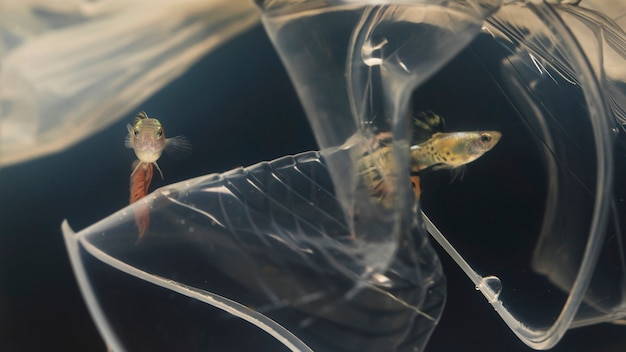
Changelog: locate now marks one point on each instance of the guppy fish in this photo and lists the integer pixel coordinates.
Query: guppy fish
(450, 151)
(147, 138)
(376, 163)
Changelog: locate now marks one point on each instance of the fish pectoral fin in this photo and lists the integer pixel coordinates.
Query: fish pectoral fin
(177, 147)
(458, 173)
(128, 142)
(442, 166)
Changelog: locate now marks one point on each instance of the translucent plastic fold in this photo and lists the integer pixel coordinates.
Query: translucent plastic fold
(267, 244)
(69, 69)
(305, 251)
(565, 108)
(559, 109)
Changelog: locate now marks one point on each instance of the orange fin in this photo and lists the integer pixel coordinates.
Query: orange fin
(417, 188)
(139, 185)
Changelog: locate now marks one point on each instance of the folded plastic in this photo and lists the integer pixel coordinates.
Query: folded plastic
(69, 69)
(273, 237)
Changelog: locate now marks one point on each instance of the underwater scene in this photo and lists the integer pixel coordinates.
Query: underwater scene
(332, 176)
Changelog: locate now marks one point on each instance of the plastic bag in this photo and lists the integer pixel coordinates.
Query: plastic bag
(266, 244)
(70, 69)
(524, 59)
(355, 66)
(569, 105)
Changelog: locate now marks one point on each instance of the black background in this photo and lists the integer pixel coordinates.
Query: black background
(237, 107)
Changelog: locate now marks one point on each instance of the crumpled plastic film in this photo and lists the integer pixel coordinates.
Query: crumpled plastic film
(599, 27)
(595, 26)
(299, 248)
(561, 67)
(268, 244)
(69, 69)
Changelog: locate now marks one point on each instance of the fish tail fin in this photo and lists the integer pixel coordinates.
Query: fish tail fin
(140, 180)
(139, 185)
(142, 219)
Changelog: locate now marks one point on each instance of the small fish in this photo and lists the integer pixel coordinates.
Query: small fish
(376, 163)
(147, 138)
(452, 150)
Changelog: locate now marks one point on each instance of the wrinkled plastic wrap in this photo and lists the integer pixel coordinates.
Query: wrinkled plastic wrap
(566, 117)
(557, 74)
(300, 250)
(268, 244)
(598, 27)
(69, 69)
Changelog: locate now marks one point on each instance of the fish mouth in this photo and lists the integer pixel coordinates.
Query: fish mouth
(495, 138)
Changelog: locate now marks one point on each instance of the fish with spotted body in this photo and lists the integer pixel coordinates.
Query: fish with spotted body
(450, 151)
(375, 162)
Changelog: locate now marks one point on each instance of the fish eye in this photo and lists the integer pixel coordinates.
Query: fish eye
(160, 132)
(485, 138)
(136, 132)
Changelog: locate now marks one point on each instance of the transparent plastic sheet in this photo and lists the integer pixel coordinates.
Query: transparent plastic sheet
(541, 73)
(563, 112)
(565, 128)
(69, 69)
(599, 27)
(604, 43)
(354, 66)
(268, 244)
(334, 267)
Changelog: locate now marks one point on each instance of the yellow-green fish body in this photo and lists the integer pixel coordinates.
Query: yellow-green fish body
(452, 150)
(147, 138)
(375, 162)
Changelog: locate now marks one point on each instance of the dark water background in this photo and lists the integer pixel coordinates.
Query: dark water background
(237, 107)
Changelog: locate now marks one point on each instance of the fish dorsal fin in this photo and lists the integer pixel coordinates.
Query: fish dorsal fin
(425, 125)
(141, 116)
